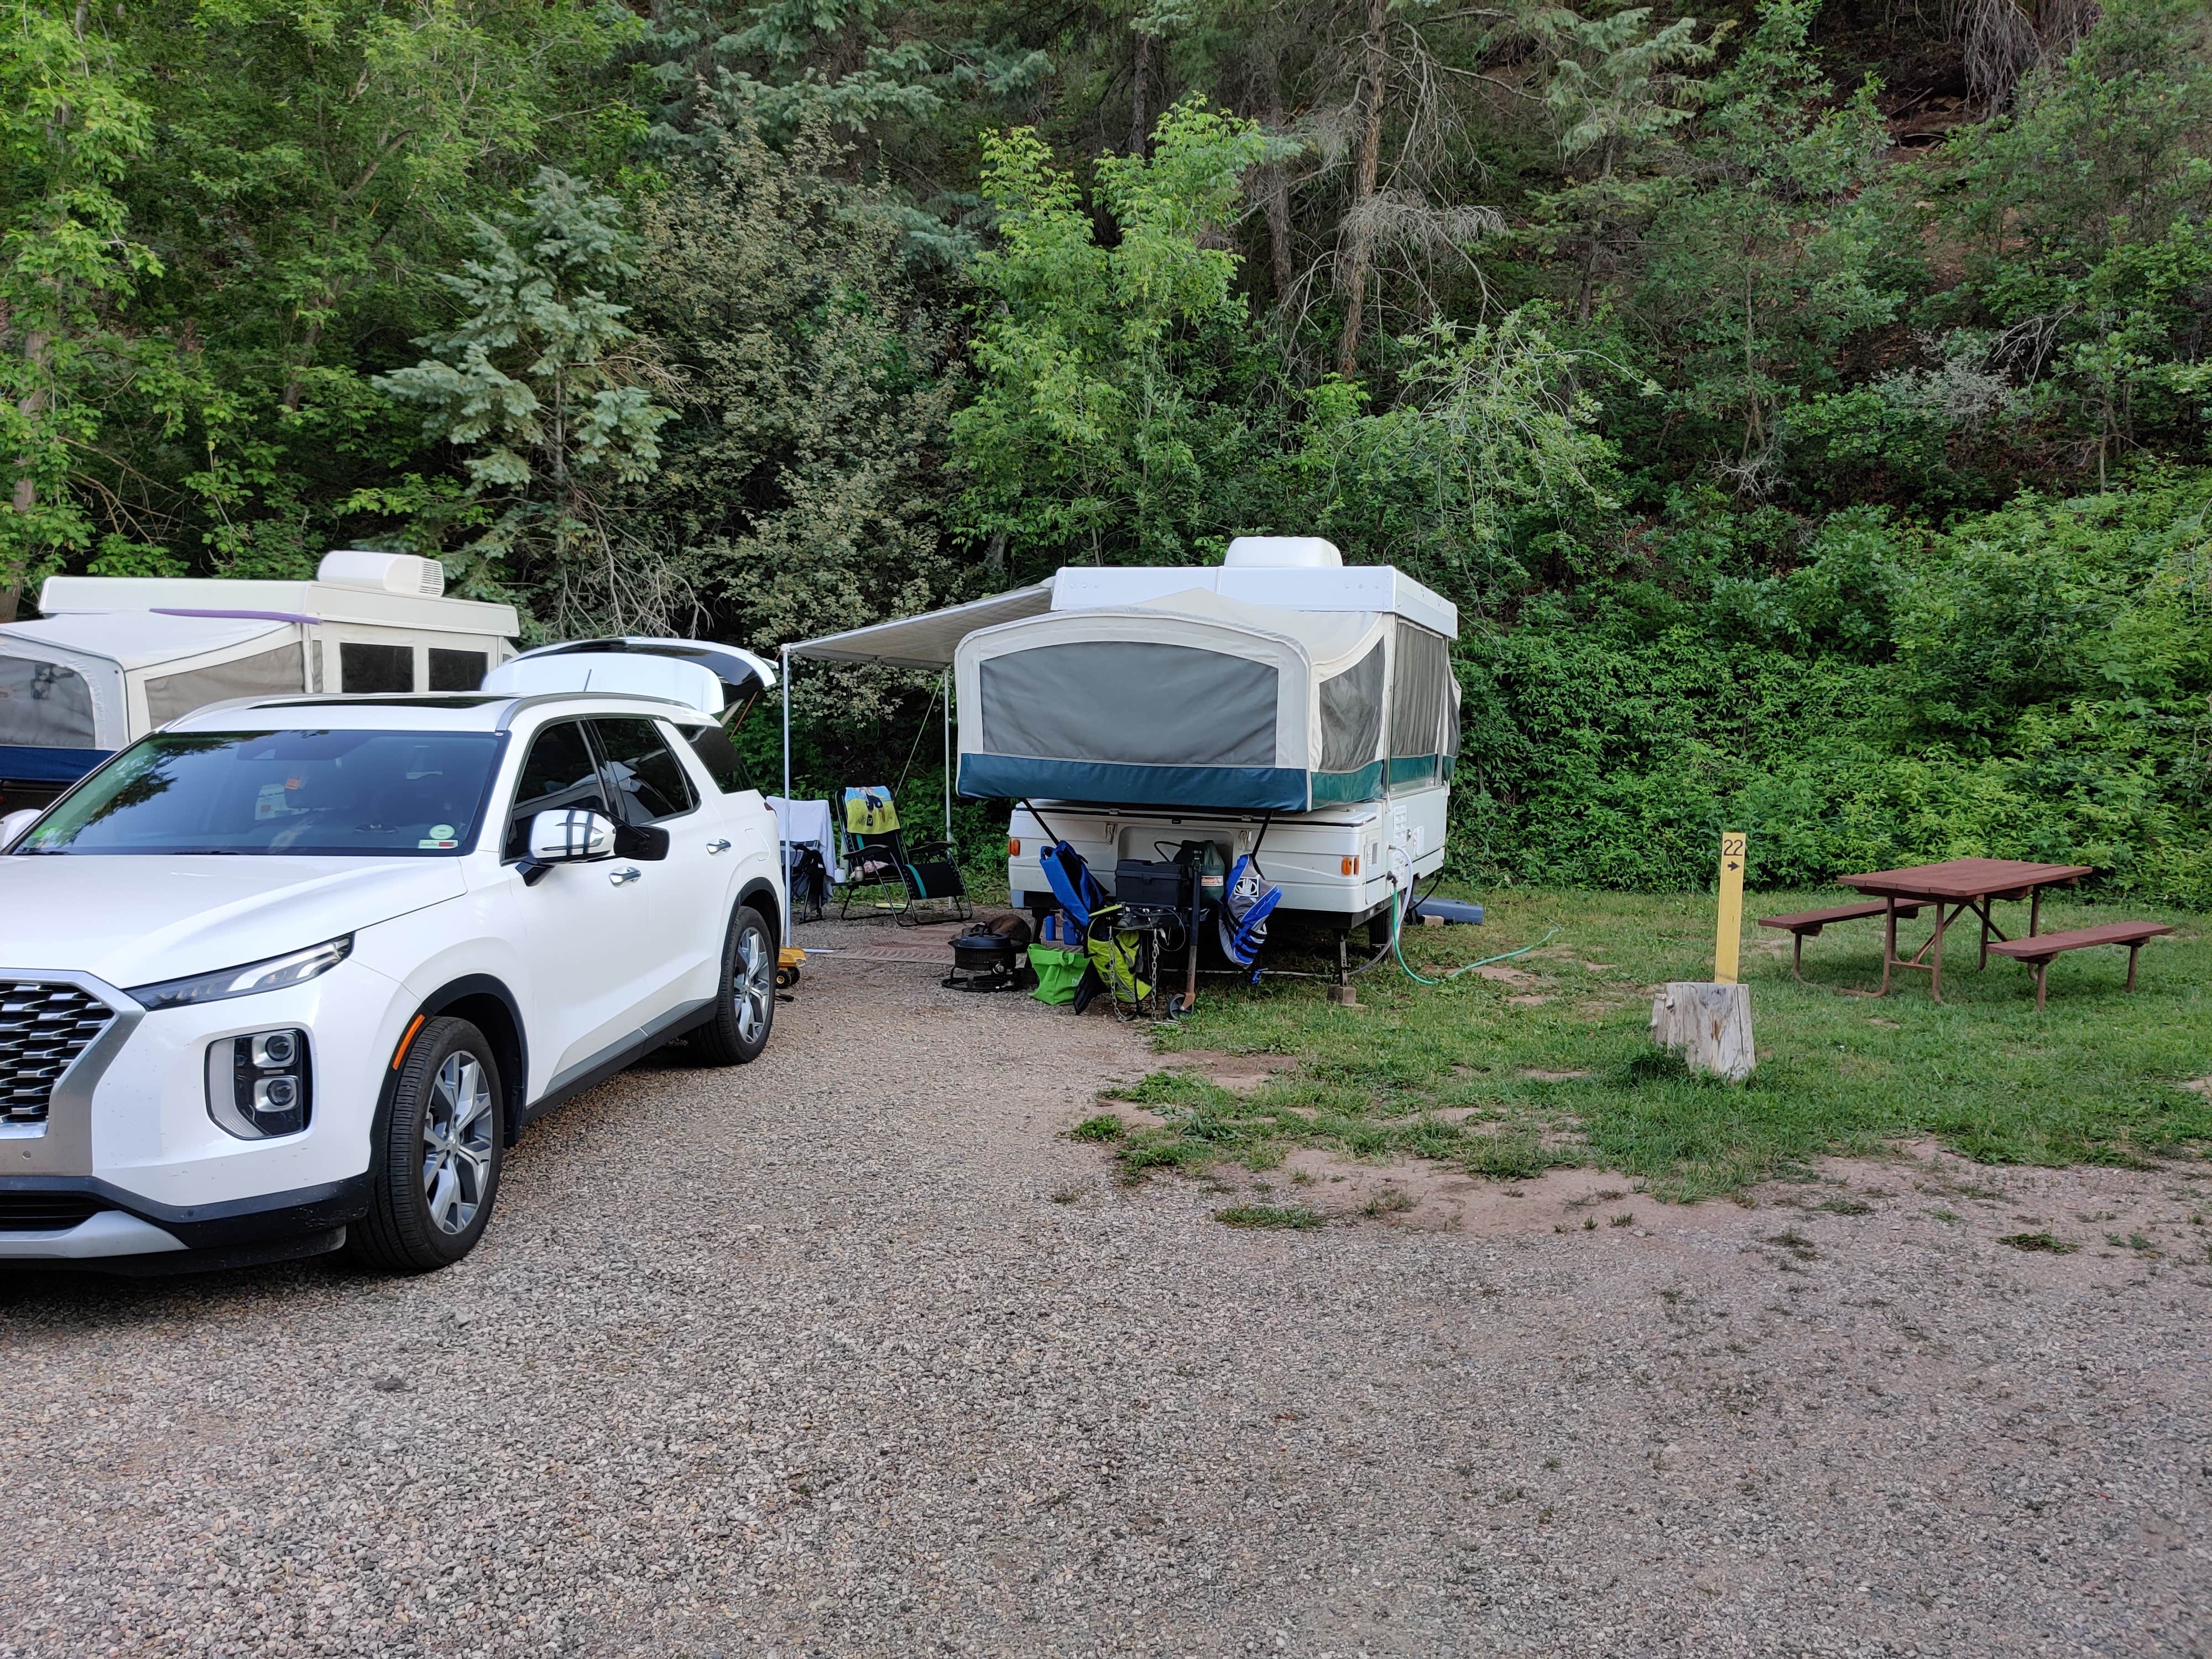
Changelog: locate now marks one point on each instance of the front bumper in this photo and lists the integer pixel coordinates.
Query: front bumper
(128, 1129)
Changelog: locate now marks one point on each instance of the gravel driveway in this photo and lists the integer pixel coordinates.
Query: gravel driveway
(852, 1352)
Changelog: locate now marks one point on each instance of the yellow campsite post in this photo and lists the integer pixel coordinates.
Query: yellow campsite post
(1730, 931)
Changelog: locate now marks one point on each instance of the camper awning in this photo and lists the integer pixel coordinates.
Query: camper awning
(927, 641)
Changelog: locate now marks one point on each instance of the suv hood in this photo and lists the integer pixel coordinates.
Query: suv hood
(133, 920)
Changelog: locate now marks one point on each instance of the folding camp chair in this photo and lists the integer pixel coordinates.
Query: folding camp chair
(1122, 951)
(906, 877)
(1248, 898)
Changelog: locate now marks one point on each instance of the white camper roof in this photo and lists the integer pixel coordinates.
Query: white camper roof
(1375, 587)
(1328, 637)
(139, 638)
(933, 639)
(386, 590)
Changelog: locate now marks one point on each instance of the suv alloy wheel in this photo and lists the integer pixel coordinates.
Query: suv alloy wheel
(744, 1011)
(437, 1165)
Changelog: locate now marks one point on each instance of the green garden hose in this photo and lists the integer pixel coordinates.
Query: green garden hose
(1398, 928)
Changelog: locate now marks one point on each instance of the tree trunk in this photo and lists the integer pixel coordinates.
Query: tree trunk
(1366, 167)
(295, 385)
(1140, 76)
(1710, 1023)
(37, 349)
(1274, 180)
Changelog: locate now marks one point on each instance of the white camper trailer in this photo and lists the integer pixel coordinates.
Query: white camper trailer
(113, 658)
(1282, 695)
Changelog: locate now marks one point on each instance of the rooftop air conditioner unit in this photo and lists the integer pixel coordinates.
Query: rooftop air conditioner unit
(1283, 553)
(383, 573)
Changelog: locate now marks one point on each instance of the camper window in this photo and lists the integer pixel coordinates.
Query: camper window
(457, 670)
(1424, 701)
(43, 705)
(170, 696)
(1130, 701)
(1351, 715)
(376, 667)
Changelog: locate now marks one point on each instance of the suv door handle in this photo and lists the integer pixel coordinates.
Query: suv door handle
(718, 846)
(622, 876)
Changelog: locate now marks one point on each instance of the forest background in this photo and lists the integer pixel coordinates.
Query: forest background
(1805, 403)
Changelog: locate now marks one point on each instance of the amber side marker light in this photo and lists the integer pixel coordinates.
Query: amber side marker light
(1013, 847)
(406, 1041)
(1349, 866)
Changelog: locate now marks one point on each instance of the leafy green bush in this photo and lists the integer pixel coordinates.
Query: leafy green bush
(2033, 683)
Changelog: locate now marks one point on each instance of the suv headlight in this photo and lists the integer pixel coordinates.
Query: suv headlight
(272, 974)
(258, 1084)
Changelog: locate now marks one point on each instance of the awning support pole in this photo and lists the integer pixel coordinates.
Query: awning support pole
(786, 654)
(945, 685)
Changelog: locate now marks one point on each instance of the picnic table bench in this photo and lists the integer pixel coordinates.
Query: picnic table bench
(1803, 925)
(2038, 951)
(1954, 887)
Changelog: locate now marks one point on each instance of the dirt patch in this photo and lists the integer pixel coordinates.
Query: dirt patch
(2113, 1216)
(1419, 1196)
(1240, 1073)
(2202, 1085)
(1498, 973)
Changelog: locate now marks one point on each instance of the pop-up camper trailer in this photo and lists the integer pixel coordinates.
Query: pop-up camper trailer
(1133, 709)
(116, 657)
(1282, 690)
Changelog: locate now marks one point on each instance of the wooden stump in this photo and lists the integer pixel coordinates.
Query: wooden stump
(1710, 1023)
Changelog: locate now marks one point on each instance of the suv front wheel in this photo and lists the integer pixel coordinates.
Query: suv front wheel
(435, 1173)
(745, 1008)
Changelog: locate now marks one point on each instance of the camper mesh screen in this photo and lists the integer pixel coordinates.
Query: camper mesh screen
(1424, 705)
(1351, 715)
(1130, 703)
(171, 696)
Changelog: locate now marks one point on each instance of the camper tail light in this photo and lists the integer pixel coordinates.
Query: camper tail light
(1013, 847)
(1349, 866)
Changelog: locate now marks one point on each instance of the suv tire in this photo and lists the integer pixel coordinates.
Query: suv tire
(434, 1172)
(745, 1003)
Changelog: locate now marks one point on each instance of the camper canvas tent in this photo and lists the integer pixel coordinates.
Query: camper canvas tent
(1195, 700)
(1281, 686)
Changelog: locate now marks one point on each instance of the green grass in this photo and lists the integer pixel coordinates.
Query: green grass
(1269, 1215)
(1446, 1073)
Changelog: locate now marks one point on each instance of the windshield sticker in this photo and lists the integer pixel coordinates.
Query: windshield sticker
(270, 803)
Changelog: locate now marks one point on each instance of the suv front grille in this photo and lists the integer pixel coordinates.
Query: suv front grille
(44, 1025)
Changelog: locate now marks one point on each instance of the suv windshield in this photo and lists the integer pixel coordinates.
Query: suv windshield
(394, 794)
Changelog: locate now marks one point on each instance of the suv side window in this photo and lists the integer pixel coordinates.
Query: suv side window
(558, 773)
(719, 755)
(644, 779)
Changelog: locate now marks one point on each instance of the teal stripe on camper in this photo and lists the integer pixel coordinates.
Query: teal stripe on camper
(1250, 788)
(1411, 768)
(1366, 784)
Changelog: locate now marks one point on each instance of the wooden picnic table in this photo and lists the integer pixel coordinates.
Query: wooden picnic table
(1954, 887)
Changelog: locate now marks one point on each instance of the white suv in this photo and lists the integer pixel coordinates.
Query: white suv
(292, 973)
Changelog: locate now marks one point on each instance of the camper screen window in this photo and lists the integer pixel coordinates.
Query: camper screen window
(265, 674)
(376, 667)
(456, 671)
(43, 705)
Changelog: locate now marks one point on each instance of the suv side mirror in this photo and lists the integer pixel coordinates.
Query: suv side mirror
(571, 835)
(13, 825)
